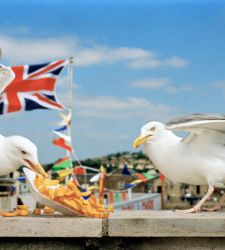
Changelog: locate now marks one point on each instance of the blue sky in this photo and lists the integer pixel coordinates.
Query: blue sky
(135, 61)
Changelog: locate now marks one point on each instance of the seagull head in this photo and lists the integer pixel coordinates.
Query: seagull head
(23, 152)
(151, 131)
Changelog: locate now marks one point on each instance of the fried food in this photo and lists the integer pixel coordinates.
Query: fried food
(22, 207)
(22, 212)
(8, 214)
(70, 196)
(37, 211)
(48, 210)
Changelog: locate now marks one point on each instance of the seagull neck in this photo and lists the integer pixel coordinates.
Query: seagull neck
(162, 146)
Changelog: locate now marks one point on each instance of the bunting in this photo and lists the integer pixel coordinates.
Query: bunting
(95, 178)
(125, 170)
(62, 164)
(60, 142)
(61, 135)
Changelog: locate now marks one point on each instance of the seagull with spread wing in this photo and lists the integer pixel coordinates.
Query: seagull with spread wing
(198, 158)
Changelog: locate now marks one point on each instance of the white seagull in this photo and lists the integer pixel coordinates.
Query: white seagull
(17, 151)
(197, 159)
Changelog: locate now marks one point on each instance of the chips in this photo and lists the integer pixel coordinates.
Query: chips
(48, 210)
(70, 196)
(21, 210)
(37, 211)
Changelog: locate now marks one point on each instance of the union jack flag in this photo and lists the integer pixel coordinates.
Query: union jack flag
(32, 88)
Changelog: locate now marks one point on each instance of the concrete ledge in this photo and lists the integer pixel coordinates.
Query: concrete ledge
(50, 226)
(166, 224)
(122, 224)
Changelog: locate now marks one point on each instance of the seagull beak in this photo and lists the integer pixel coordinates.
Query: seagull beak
(140, 140)
(37, 168)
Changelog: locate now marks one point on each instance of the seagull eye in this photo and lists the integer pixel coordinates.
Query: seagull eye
(152, 129)
(23, 152)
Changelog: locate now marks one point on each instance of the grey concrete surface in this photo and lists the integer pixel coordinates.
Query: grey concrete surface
(166, 224)
(128, 230)
(50, 226)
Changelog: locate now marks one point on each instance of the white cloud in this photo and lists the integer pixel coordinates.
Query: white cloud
(171, 90)
(111, 107)
(153, 61)
(179, 89)
(219, 84)
(162, 84)
(27, 50)
(151, 83)
(18, 50)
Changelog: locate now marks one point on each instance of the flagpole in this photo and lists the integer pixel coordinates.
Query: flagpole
(70, 100)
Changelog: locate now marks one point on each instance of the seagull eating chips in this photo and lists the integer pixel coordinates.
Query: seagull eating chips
(198, 158)
(17, 151)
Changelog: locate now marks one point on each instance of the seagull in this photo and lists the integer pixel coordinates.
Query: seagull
(17, 151)
(198, 158)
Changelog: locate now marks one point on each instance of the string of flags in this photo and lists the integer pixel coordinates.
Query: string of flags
(63, 140)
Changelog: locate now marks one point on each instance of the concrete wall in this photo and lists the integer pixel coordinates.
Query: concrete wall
(123, 230)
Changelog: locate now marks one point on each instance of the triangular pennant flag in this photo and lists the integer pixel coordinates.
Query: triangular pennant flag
(65, 137)
(93, 188)
(129, 185)
(61, 128)
(102, 169)
(124, 195)
(67, 117)
(117, 197)
(149, 176)
(95, 178)
(60, 142)
(86, 194)
(141, 176)
(62, 164)
(125, 170)
(111, 198)
(64, 173)
(136, 181)
(79, 171)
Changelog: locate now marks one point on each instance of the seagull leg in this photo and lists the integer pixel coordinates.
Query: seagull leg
(217, 206)
(197, 207)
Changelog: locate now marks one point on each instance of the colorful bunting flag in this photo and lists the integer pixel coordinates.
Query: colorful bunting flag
(136, 181)
(111, 198)
(102, 169)
(117, 197)
(62, 164)
(60, 142)
(95, 178)
(124, 196)
(129, 185)
(149, 176)
(61, 135)
(79, 171)
(64, 173)
(66, 118)
(91, 188)
(141, 176)
(62, 128)
(125, 170)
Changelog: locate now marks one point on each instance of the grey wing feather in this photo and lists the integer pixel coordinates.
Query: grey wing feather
(194, 122)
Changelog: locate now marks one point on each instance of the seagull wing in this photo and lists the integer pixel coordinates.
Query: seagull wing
(196, 124)
(6, 77)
